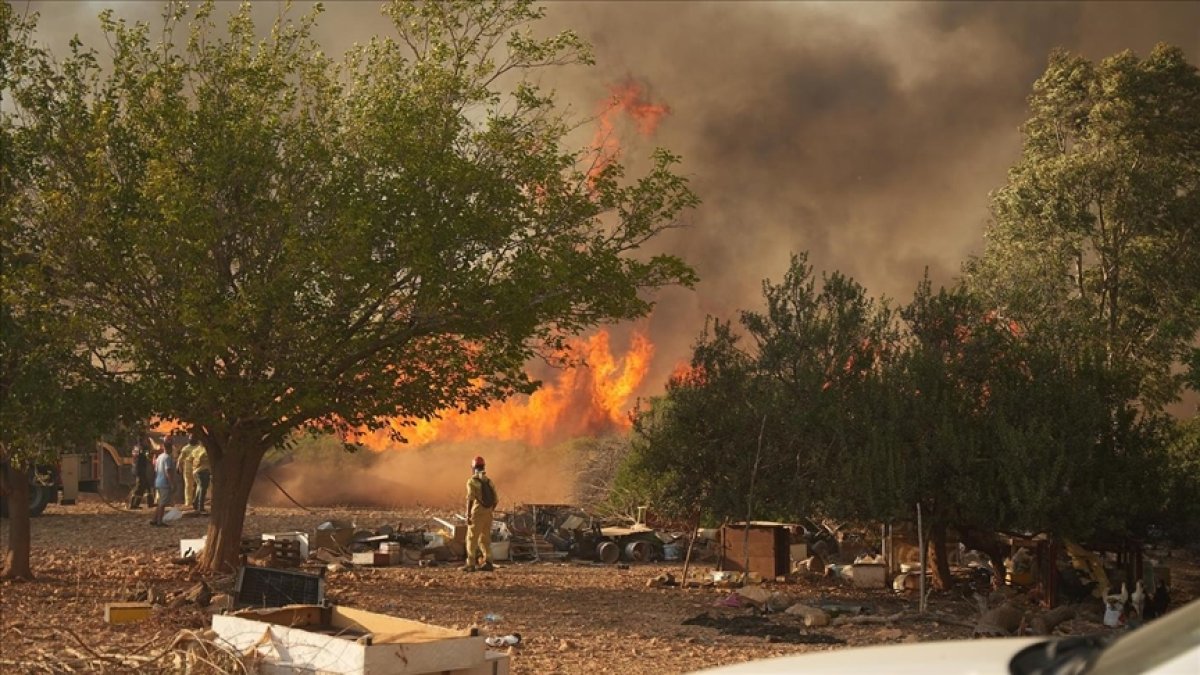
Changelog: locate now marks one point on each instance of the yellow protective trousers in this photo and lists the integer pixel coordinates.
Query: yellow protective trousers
(479, 536)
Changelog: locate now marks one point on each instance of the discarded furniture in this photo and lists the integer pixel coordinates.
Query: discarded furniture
(335, 639)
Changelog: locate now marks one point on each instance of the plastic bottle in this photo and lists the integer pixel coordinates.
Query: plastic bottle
(492, 618)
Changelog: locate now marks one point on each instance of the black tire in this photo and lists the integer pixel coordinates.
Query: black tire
(40, 497)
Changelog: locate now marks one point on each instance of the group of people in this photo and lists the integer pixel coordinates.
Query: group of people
(159, 473)
(160, 470)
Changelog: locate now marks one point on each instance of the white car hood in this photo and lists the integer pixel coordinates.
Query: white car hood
(950, 657)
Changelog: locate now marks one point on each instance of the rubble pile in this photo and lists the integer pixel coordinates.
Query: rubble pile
(530, 532)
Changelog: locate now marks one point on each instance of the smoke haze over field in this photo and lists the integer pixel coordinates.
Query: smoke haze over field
(867, 134)
(434, 475)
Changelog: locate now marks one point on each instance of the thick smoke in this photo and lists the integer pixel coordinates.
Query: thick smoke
(432, 476)
(869, 135)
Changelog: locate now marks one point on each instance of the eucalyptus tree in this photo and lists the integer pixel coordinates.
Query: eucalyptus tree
(1096, 234)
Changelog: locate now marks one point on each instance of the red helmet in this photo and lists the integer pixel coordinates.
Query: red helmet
(477, 463)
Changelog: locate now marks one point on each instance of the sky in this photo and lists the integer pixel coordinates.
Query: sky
(867, 134)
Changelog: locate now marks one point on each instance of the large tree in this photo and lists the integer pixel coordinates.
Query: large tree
(782, 415)
(822, 343)
(1096, 235)
(276, 240)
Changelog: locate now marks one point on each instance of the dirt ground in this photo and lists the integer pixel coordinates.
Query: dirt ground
(573, 617)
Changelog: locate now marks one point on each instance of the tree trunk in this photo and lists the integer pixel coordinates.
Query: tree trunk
(938, 562)
(233, 475)
(16, 558)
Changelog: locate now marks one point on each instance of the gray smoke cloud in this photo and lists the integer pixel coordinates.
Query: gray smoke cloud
(867, 134)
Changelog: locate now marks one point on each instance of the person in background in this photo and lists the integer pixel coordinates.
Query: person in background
(202, 473)
(164, 483)
(186, 468)
(481, 499)
(143, 475)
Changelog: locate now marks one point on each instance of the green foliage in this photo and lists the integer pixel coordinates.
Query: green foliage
(1028, 397)
(946, 403)
(1095, 235)
(51, 397)
(777, 417)
(695, 446)
(1179, 512)
(275, 240)
(819, 350)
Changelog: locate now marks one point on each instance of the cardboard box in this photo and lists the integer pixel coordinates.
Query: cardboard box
(117, 613)
(334, 535)
(336, 639)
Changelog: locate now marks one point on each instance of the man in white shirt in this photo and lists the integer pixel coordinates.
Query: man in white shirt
(164, 483)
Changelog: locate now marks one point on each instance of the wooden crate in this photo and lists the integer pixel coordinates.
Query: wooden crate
(767, 545)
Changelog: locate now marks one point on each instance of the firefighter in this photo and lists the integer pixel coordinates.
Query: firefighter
(481, 499)
(187, 470)
(201, 473)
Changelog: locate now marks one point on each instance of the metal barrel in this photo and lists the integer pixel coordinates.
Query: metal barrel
(607, 552)
(637, 551)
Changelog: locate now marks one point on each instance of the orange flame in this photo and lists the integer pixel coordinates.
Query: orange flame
(686, 375)
(590, 399)
(628, 98)
(165, 425)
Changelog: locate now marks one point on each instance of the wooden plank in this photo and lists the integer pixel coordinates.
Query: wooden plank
(289, 615)
(389, 629)
(495, 663)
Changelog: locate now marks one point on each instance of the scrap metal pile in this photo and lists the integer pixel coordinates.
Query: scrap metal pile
(531, 532)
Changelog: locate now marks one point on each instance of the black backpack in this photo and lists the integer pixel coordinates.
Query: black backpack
(487, 493)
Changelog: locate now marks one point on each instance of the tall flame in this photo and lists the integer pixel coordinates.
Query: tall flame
(627, 98)
(595, 397)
